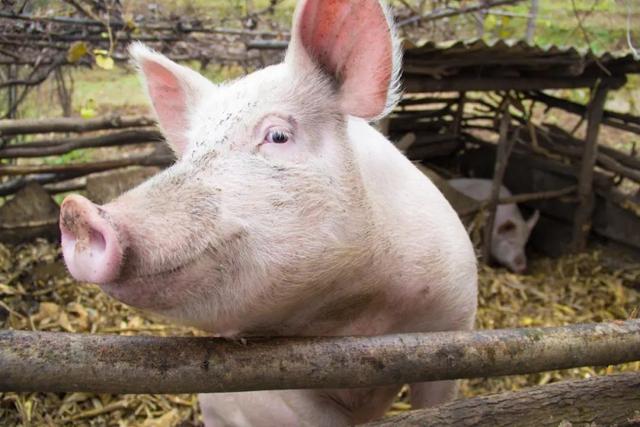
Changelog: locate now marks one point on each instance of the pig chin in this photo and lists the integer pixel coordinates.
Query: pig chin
(159, 292)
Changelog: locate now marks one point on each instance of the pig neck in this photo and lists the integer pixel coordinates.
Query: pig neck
(419, 248)
(377, 296)
(407, 259)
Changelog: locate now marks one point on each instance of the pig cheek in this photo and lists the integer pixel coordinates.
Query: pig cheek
(288, 151)
(162, 294)
(504, 252)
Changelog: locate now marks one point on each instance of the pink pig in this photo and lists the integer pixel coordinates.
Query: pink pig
(286, 214)
(510, 231)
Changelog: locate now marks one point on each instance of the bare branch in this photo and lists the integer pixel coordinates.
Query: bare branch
(62, 146)
(31, 126)
(447, 13)
(610, 400)
(61, 362)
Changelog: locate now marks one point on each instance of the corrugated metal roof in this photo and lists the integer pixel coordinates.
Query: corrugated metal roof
(511, 59)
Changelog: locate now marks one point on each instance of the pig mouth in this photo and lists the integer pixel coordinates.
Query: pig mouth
(168, 271)
(156, 290)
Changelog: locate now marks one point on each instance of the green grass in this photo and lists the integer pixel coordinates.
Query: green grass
(76, 156)
(109, 89)
(603, 21)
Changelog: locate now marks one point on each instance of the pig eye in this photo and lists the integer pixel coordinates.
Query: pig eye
(506, 227)
(277, 136)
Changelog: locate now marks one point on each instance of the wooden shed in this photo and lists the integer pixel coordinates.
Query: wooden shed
(475, 107)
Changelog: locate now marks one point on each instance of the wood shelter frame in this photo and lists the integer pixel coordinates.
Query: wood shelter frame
(478, 66)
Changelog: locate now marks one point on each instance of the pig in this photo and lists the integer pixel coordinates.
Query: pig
(286, 213)
(510, 231)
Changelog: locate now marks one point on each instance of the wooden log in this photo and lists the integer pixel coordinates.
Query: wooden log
(603, 401)
(433, 126)
(66, 124)
(582, 219)
(523, 198)
(63, 146)
(88, 167)
(505, 145)
(414, 115)
(76, 184)
(267, 44)
(565, 142)
(622, 121)
(415, 82)
(14, 185)
(428, 146)
(607, 157)
(426, 100)
(62, 362)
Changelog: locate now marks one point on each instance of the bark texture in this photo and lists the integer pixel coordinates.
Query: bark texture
(69, 124)
(612, 400)
(60, 362)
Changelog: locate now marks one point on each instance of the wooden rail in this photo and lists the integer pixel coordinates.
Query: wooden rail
(62, 362)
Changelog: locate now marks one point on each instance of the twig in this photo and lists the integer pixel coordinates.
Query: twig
(585, 34)
(523, 198)
(447, 13)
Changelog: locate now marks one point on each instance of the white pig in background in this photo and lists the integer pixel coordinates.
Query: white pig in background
(510, 231)
(285, 214)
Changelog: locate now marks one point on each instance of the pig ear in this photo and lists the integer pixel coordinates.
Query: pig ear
(174, 91)
(531, 222)
(354, 43)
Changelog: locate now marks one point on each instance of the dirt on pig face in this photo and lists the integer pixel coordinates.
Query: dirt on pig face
(236, 229)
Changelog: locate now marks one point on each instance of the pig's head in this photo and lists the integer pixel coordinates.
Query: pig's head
(265, 207)
(509, 240)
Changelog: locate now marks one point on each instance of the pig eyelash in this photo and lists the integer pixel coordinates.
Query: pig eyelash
(277, 135)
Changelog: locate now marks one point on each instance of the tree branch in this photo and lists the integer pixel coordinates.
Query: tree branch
(31, 126)
(62, 146)
(610, 400)
(88, 167)
(61, 362)
(447, 13)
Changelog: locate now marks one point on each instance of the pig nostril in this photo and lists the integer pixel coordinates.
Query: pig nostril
(90, 244)
(97, 242)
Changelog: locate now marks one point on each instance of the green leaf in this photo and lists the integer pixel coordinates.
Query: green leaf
(105, 62)
(88, 109)
(490, 22)
(76, 51)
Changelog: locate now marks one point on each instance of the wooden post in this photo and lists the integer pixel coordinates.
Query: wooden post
(582, 218)
(457, 120)
(12, 94)
(505, 144)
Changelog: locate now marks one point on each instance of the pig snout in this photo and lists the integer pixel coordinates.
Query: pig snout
(90, 244)
(519, 264)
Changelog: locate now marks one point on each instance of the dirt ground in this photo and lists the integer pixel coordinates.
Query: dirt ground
(36, 293)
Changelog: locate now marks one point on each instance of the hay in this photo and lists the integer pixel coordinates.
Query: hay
(37, 294)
